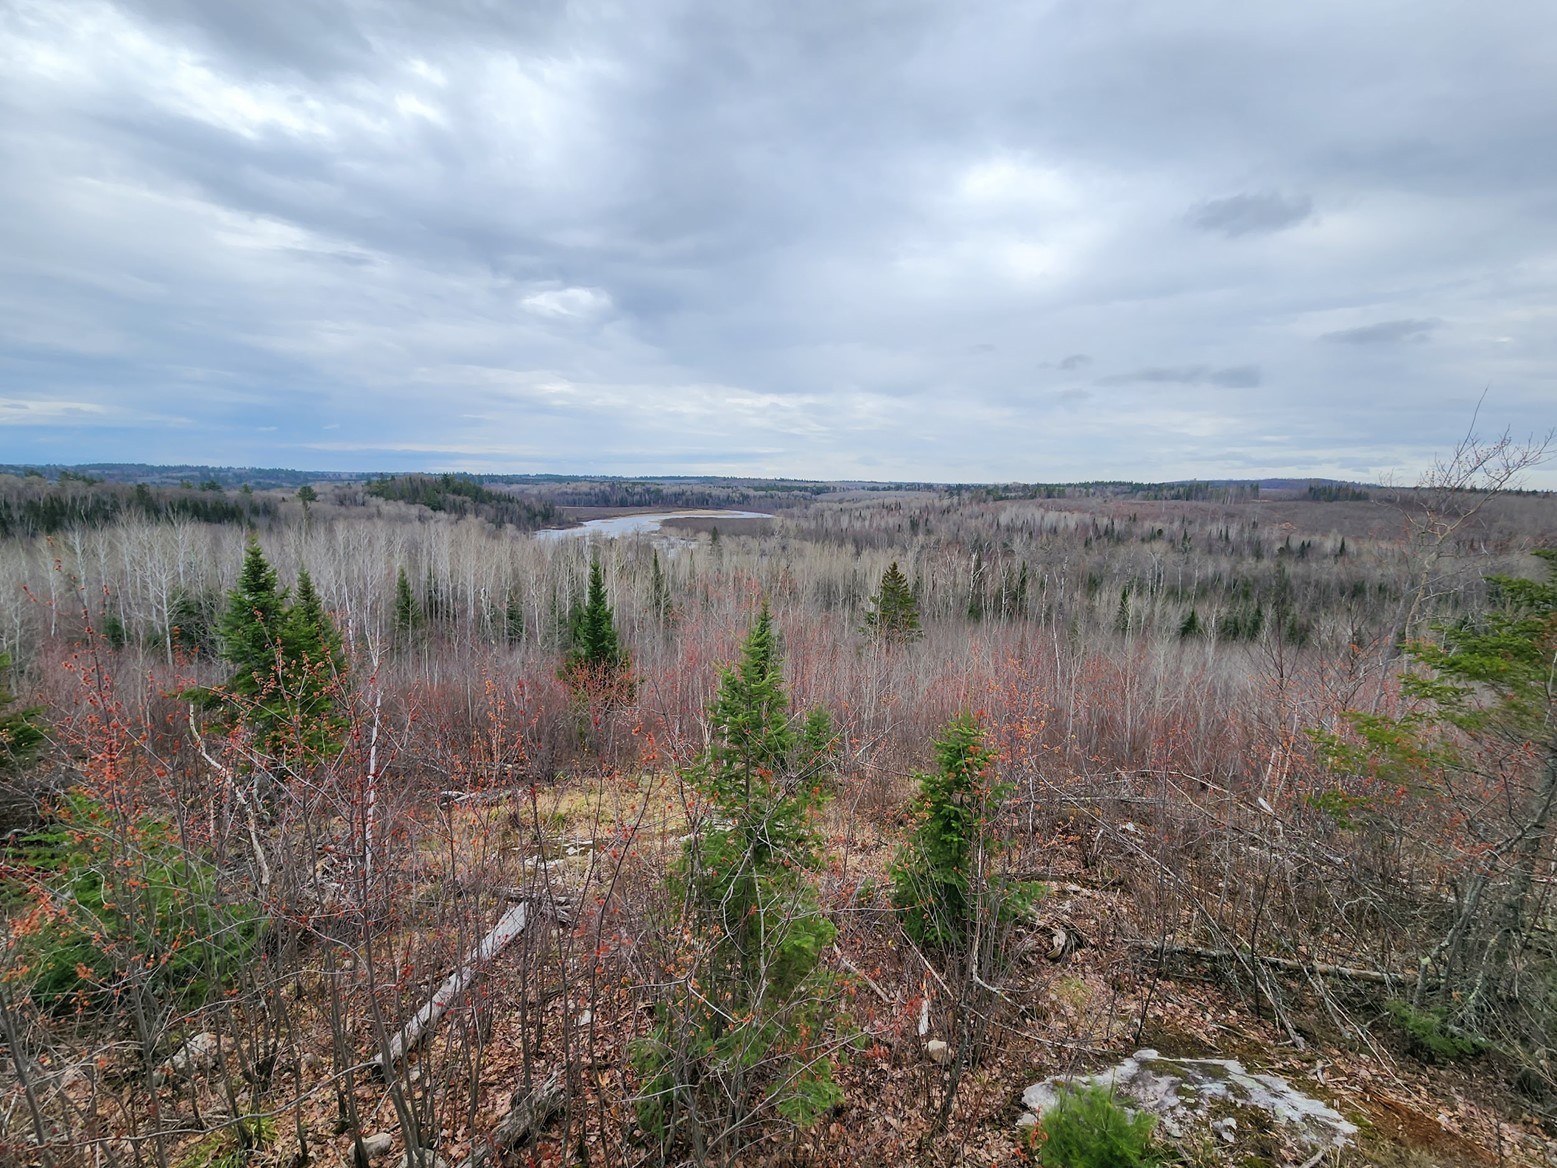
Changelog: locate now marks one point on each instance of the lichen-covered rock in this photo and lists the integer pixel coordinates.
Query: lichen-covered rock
(196, 1057)
(1185, 1093)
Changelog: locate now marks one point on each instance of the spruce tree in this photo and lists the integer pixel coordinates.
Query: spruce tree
(1484, 721)
(408, 617)
(659, 592)
(743, 1034)
(315, 665)
(894, 613)
(250, 629)
(942, 881)
(288, 663)
(513, 617)
(596, 650)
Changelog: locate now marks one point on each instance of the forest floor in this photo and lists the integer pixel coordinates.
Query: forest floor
(1063, 1013)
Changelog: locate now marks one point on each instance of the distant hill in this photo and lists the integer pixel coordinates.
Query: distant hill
(259, 478)
(680, 490)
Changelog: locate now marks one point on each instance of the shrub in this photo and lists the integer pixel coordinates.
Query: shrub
(238, 1145)
(1086, 1128)
(1429, 1035)
(115, 905)
(21, 732)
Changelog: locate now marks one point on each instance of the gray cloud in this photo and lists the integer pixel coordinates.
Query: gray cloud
(1385, 332)
(576, 236)
(1252, 214)
(1230, 377)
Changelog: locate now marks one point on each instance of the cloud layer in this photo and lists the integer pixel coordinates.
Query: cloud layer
(969, 242)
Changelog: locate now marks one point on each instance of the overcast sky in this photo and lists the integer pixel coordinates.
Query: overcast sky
(825, 238)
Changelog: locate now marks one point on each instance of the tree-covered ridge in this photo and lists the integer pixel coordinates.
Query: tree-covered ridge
(462, 495)
(34, 506)
(228, 477)
(670, 493)
(1199, 492)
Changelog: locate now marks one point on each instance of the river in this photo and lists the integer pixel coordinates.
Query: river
(643, 524)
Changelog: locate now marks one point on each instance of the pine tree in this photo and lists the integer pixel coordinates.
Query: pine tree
(977, 602)
(1018, 592)
(894, 613)
(596, 668)
(752, 738)
(596, 649)
(513, 617)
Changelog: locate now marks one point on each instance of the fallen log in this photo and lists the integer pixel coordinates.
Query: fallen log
(1321, 968)
(528, 1112)
(468, 972)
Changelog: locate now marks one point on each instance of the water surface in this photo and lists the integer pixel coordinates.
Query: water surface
(648, 523)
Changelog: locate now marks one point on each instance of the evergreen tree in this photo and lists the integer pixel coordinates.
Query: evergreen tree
(941, 879)
(306, 495)
(315, 663)
(596, 649)
(250, 629)
(311, 634)
(894, 613)
(287, 661)
(1485, 720)
(819, 742)
(977, 604)
(513, 617)
(408, 616)
(659, 593)
(744, 1032)
(1017, 606)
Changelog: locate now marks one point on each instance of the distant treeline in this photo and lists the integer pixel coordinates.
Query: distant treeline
(1337, 493)
(226, 477)
(1228, 492)
(34, 506)
(463, 495)
(1185, 492)
(649, 493)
